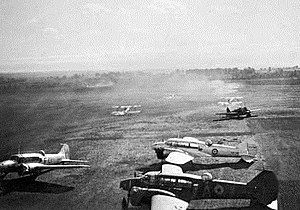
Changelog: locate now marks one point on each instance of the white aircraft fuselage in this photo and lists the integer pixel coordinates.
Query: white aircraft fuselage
(198, 148)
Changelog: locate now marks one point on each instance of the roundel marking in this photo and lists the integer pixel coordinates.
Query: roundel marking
(219, 189)
(214, 151)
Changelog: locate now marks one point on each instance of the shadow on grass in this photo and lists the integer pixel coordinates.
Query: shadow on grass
(190, 166)
(28, 184)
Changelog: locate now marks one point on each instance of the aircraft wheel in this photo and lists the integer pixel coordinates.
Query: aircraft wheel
(124, 204)
(214, 152)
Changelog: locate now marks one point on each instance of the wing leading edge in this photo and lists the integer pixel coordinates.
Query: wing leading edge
(159, 202)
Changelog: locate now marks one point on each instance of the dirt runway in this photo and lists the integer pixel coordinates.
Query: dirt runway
(118, 146)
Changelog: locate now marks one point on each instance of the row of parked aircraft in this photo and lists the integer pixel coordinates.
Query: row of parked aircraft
(171, 188)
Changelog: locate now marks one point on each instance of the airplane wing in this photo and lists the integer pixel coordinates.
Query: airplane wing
(255, 110)
(73, 161)
(171, 169)
(223, 113)
(39, 166)
(134, 112)
(179, 158)
(124, 107)
(167, 202)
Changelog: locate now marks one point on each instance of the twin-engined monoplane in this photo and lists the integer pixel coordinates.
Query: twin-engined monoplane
(35, 164)
(183, 150)
(170, 188)
(126, 110)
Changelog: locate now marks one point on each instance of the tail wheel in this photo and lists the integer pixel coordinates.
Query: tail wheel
(214, 152)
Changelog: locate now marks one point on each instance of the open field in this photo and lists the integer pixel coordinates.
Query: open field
(117, 146)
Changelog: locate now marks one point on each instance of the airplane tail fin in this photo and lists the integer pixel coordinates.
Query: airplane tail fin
(65, 150)
(264, 187)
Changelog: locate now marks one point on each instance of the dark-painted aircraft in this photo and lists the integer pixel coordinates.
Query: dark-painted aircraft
(183, 150)
(170, 188)
(35, 164)
(239, 114)
(237, 109)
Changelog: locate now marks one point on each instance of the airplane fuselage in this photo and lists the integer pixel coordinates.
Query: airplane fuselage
(192, 187)
(195, 148)
(42, 158)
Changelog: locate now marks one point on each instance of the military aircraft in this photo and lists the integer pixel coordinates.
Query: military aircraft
(170, 188)
(124, 110)
(237, 109)
(182, 150)
(239, 113)
(35, 164)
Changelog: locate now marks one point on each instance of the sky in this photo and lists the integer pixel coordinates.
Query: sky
(151, 34)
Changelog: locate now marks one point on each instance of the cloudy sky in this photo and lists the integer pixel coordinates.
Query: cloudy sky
(146, 34)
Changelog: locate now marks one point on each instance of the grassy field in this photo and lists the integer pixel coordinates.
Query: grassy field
(118, 146)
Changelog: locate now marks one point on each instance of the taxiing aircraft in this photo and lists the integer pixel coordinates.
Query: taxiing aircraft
(182, 150)
(124, 110)
(35, 164)
(170, 188)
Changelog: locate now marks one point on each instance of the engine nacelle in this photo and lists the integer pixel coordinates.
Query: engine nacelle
(24, 169)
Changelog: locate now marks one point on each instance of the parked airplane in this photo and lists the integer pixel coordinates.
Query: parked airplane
(170, 188)
(182, 150)
(35, 164)
(239, 113)
(235, 109)
(124, 110)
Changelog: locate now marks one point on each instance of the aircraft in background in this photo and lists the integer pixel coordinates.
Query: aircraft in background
(35, 164)
(170, 188)
(239, 113)
(237, 109)
(124, 110)
(182, 150)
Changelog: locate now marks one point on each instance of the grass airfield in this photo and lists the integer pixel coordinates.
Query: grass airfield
(116, 146)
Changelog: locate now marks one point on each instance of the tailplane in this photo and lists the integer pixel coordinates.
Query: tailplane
(65, 150)
(264, 188)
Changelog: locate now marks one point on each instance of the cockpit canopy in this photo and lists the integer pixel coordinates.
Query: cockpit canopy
(21, 159)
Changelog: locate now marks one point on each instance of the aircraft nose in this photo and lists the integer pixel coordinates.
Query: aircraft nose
(7, 163)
